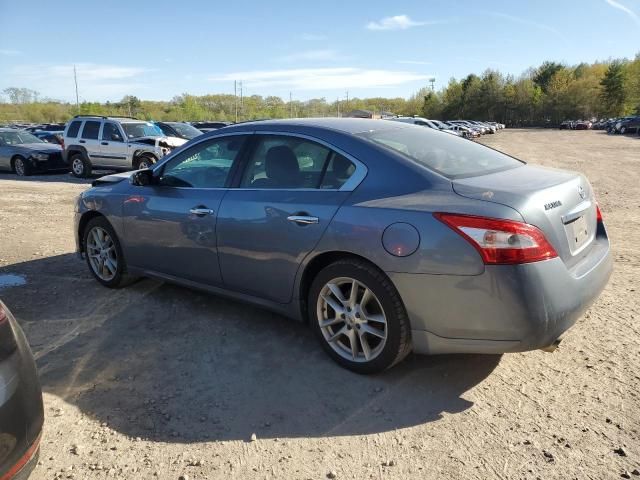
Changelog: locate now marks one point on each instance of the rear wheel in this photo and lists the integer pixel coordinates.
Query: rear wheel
(358, 316)
(80, 167)
(21, 167)
(623, 130)
(104, 255)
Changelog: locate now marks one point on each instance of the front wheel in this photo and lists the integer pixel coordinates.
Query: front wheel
(358, 316)
(104, 254)
(144, 161)
(623, 130)
(21, 167)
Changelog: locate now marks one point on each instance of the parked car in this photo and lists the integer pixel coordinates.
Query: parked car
(113, 143)
(46, 127)
(209, 126)
(466, 131)
(25, 154)
(55, 137)
(21, 410)
(627, 124)
(381, 236)
(179, 129)
(425, 123)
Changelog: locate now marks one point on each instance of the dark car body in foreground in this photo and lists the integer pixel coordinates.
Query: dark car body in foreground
(21, 410)
(385, 236)
(24, 153)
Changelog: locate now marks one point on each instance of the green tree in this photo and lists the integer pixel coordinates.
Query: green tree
(613, 88)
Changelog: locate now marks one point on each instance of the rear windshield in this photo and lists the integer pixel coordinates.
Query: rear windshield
(451, 156)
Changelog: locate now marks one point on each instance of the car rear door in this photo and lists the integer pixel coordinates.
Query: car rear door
(290, 190)
(170, 226)
(89, 140)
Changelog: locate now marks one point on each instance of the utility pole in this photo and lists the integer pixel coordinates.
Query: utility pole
(241, 101)
(433, 81)
(75, 79)
(235, 94)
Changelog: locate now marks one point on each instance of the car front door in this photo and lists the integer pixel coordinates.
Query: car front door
(170, 226)
(290, 190)
(113, 149)
(5, 154)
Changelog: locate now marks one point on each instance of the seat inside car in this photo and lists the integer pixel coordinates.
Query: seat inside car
(281, 168)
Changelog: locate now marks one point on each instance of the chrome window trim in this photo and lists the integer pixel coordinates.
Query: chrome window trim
(350, 185)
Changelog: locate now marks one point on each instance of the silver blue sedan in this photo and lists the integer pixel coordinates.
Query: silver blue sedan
(384, 237)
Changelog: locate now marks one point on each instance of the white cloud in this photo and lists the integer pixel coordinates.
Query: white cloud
(312, 37)
(95, 81)
(633, 15)
(315, 55)
(397, 22)
(523, 21)
(413, 62)
(9, 52)
(321, 78)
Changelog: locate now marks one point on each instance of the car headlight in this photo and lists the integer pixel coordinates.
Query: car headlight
(42, 157)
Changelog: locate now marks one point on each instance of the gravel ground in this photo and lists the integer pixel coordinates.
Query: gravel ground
(156, 381)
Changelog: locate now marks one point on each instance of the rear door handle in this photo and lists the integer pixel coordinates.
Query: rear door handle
(303, 219)
(104, 143)
(201, 211)
(82, 141)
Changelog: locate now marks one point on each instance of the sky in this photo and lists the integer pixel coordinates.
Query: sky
(309, 49)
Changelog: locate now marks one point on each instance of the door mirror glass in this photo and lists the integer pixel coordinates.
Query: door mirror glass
(142, 178)
(115, 137)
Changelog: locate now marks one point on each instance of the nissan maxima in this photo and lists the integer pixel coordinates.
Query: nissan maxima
(385, 237)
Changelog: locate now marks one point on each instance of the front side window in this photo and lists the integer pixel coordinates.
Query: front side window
(72, 132)
(287, 162)
(448, 155)
(110, 133)
(205, 165)
(90, 130)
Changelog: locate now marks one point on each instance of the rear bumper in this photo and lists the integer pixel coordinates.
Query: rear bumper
(508, 308)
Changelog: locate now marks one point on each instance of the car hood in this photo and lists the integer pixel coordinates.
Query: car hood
(113, 178)
(39, 147)
(170, 142)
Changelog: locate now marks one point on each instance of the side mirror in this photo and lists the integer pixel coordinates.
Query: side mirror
(115, 137)
(142, 178)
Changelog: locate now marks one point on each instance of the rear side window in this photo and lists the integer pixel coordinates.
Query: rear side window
(287, 162)
(90, 130)
(72, 132)
(450, 156)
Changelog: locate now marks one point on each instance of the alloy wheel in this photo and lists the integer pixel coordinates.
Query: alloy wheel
(19, 166)
(77, 166)
(352, 319)
(102, 254)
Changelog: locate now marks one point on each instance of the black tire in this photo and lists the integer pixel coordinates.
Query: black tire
(623, 130)
(144, 161)
(121, 278)
(21, 167)
(80, 167)
(398, 341)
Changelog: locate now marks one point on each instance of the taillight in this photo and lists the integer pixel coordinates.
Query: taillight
(500, 242)
(598, 214)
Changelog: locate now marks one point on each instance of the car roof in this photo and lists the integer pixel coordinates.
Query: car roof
(344, 125)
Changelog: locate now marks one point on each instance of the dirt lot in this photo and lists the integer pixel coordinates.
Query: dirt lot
(156, 381)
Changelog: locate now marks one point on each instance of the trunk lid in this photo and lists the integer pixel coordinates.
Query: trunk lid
(558, 202)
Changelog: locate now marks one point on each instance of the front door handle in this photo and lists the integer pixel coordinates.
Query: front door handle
(303, 219)
(201, 211)
(82, 141)
(104, 143)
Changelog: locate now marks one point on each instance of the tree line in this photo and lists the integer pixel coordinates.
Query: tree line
(544, 95)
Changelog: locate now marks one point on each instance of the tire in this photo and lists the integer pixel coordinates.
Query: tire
(113, 273)
(80, 166)
(381, 312)
(144, 161)
(21, 167)
(623, 130)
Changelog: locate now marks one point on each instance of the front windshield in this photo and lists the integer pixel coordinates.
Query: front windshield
(186, 130)
(18, 138)
(448, 155)
(141, 129)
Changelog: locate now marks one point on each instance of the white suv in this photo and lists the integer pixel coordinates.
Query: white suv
(113, 143)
